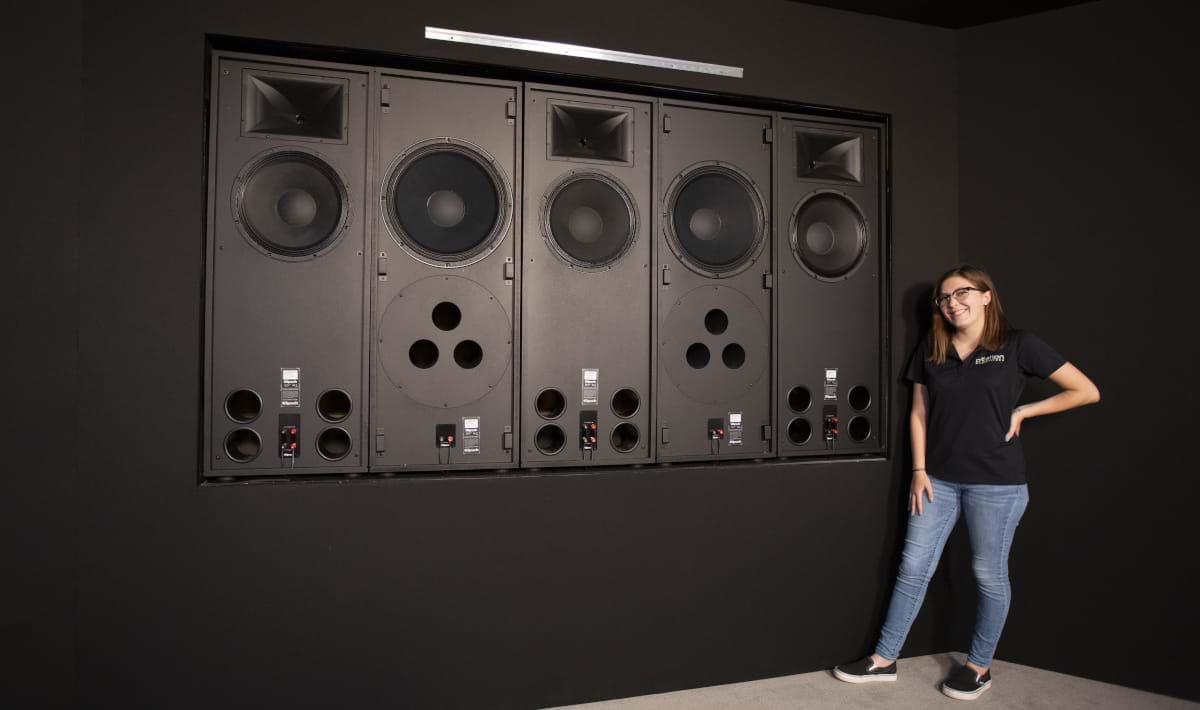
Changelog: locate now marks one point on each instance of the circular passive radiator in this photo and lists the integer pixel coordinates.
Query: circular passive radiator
(291, 202)
(242, 445)
(444, 341)
(829, 235)
(550, 439)
(860, 428)
(626, 402)
(697, 355)
(799, 399)
(625, 437)
(589, 219)
(550, 403)
(446, 316)
(715, 219)
(243, 406)
(799, 431)
(333, 444)
(859, 397)
(333, 405)
(447, 201)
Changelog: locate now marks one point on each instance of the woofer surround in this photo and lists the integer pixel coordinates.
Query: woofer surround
(715, 219)
(290, 202)
(447, 202)
(589, 219)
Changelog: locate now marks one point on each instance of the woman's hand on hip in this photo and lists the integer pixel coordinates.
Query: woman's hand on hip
(1014, 426)
(920, 484)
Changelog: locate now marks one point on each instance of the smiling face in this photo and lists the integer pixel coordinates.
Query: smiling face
(962, 309)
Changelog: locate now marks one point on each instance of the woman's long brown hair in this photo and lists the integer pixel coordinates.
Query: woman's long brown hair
(995, 325)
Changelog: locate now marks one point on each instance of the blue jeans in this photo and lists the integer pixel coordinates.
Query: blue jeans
(992, 515)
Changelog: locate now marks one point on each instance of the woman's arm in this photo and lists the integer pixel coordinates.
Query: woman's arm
(916, 426)
(1077, 390)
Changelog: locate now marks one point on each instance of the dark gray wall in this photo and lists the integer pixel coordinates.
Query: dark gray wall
(137, 588)
(38, 515)
(1078, 158)
(487, 592)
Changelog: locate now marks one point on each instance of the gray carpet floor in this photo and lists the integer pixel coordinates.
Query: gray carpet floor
(1014, 687)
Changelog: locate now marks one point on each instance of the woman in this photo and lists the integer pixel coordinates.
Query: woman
(967, 378)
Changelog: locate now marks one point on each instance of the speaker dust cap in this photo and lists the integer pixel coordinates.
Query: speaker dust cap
(589, 219)
(829, 235)
(447, 202)
(291, 202)
(715, 218)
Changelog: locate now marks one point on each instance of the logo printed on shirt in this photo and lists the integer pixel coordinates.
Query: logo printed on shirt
(985, 359)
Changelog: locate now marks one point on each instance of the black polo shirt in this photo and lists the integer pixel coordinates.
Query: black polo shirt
(970, 408)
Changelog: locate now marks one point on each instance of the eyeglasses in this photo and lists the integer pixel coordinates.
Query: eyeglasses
(960, 294)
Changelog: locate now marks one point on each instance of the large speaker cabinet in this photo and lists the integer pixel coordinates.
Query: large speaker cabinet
(831, 262)
(286, 269)
(586, 334)
(445, 308)
(713, 274)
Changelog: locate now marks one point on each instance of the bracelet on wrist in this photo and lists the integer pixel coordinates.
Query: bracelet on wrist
(918, 469)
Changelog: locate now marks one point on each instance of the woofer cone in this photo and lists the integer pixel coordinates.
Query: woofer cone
(829, 235)
(550, 439)
(625, 437)
(715, 218)
(447, 202)
(242, 445)
(334, 405)
(333, 443)
(589, 219)
(243, 405)
(291, 202)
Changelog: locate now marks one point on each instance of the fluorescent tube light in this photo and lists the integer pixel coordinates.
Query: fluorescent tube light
(575, 50)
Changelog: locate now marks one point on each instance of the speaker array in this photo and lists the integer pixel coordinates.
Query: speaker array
(829, 276)
(286, 270)
(415, 272)
(586, 350)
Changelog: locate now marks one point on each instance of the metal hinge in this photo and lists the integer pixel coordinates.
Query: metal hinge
(768, 281)
(768, 135)
(767, 432)
(506, 440)
(666, 123)
(510, 109)
(666, 435)
(666, 275)
(385, 97)
(380, 441)
(382, 269)
(510, 270)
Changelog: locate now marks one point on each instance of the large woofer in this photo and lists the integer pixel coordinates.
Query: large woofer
(291, 202)
(715, 219)
(447, 202)
(829, 235)
(589, 219)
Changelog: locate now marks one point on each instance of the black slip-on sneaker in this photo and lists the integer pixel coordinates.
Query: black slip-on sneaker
(966, 684)
(865, 671)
